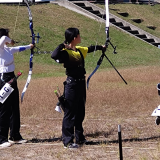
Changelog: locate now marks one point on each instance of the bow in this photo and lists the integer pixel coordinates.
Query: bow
(32, 50)
(106, 46)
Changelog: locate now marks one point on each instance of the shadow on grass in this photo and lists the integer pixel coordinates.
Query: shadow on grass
(106, 134)
(123, 140)
(59, 139)
(36, 140)
(100, 133)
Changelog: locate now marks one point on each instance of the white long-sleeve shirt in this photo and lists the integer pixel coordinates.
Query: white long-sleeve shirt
(6, 55)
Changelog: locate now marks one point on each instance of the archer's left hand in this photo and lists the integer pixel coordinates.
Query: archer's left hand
(32, 46)
(103, 48)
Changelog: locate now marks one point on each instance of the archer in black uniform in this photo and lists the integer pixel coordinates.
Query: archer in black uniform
(72, 56)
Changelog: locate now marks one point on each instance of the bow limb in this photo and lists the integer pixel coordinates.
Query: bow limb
(32, 51)
(26, 85)
(98, 64)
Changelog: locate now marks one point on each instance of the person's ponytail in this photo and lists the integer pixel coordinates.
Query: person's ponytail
(4, 32)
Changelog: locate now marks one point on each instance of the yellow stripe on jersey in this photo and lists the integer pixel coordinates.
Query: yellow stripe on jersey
(75, 56)
(84, 50)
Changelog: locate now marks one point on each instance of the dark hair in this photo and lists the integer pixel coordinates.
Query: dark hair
(4, 32)
(70, 33)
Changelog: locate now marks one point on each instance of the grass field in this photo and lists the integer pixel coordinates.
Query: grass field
(110, 101)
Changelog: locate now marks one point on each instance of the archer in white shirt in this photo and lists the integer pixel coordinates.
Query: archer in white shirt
(6, 54)
(9, 110)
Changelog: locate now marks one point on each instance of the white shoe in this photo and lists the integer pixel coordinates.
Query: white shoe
(5, 144)
(21, 141)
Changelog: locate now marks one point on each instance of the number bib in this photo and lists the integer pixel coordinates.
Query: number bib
(5, 92)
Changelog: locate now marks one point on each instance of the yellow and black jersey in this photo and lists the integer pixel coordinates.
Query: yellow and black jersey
(73, 60)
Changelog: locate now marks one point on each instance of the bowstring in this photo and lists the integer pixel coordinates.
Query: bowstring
(100, 26)
(15, 24)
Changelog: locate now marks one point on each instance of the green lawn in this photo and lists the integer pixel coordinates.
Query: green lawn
(51, 21)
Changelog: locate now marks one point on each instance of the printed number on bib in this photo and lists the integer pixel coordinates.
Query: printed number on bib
(5, 92)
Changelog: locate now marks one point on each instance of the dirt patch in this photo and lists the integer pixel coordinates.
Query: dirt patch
(110, 102)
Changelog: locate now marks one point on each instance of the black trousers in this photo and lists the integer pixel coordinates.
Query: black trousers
(9, 112)
(74, 110)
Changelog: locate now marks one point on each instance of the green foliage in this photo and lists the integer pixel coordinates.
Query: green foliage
(51, 21)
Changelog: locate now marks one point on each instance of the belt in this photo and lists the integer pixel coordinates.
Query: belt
(2, 75)
(7, 73)
(79, 79)
(71, 79)
(76, 79)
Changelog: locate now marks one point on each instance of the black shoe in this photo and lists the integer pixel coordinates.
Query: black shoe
(157, 121)
(82, 142)
(71, 146)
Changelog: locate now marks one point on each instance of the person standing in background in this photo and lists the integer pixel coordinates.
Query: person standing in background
(9, 110)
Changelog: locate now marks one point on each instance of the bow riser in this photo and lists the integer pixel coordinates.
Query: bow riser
(32, 32)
